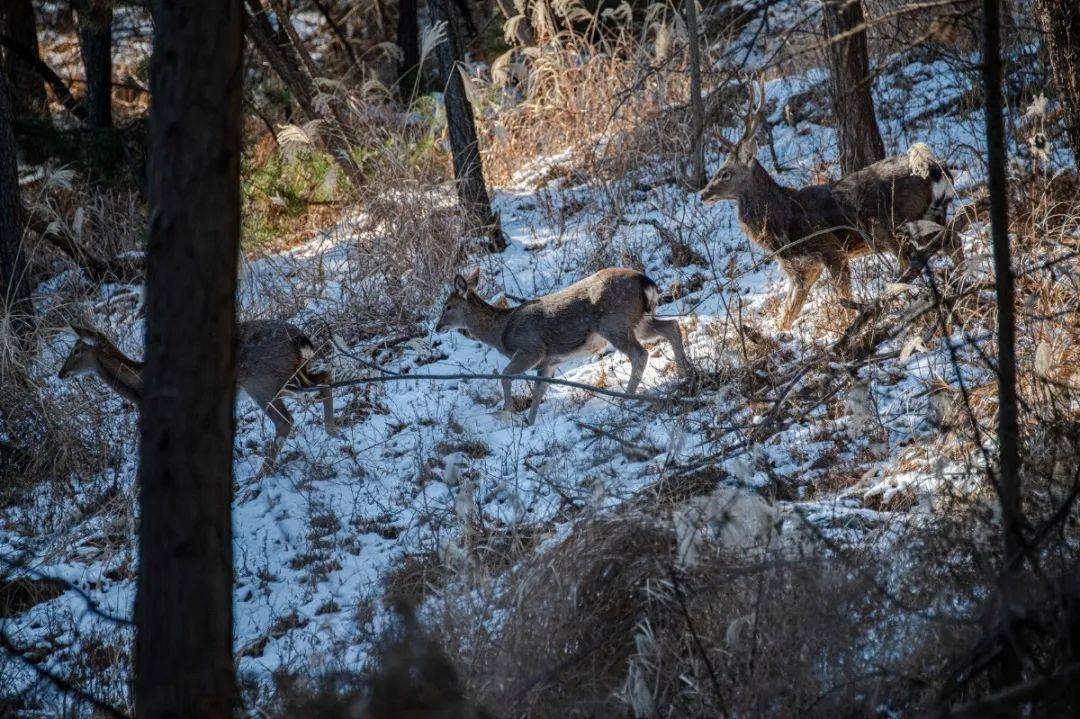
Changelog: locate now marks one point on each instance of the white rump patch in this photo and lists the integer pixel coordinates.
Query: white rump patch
(307, 351)
(652, 298)
(920, 157)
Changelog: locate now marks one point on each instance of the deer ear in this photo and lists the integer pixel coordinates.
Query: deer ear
(460, 285)
(474, 278)
(88, 336)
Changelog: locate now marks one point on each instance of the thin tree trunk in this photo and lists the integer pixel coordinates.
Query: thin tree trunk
(408, 39)
(278, 50)
(63, 94)
(1060, 20)
(697, 107)
(95, 46)
(18, 23)
(343, 39)
(183, 606)
(1008, 480)
(466, 17)
(14, 283)
(461, 126)
(850, 86)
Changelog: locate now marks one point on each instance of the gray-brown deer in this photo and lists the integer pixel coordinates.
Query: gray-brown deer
(272, 360)
(818, 227)
(612, 307)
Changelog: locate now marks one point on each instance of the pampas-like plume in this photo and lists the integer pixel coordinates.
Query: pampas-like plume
(431, 38)
(291, 138)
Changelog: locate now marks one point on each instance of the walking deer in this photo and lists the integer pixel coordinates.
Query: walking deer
(272, 360)
(818, 227)
(612, 307)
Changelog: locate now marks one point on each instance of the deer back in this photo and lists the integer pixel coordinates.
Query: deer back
(888, 194)
(566, 322)
(271, 357)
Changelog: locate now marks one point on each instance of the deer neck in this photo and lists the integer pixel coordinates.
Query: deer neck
(764, 206)
(121, 373)
(486, 322)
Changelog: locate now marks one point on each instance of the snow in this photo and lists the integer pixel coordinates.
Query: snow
(315, 537)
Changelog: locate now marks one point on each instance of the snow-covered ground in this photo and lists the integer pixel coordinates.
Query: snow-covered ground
(314, 539)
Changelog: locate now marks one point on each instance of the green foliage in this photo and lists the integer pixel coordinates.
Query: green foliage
(279, 191)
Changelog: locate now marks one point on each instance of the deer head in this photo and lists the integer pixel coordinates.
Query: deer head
(737, 172)
(455, 310)
(83, 358)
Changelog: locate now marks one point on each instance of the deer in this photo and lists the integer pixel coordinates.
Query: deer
(614, 307)
(272, 360)
(817, 227)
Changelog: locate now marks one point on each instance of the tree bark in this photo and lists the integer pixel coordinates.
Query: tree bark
(95, 46)
(408, 39)
(1010, 671)
(18, 23)
(14, 283)
(850, 85)
(183, 606)
(697, 107)
(461, 126)
(1060, 20)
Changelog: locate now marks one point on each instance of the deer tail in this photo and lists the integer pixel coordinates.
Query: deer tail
(651, 292)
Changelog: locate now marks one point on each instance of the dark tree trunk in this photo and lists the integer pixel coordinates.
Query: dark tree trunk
(466, 17)
(408, 39)
(1060, 21)
(849, 86)
(183, 607)
(461, 126)
(14, 284)
(17, 22)
(95, 46)
(697, 107)
(1010, 671)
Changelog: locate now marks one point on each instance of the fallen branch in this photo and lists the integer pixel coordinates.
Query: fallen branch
(592, 389)
(63, 94)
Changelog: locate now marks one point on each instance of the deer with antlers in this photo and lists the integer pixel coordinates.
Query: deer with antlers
(818, 227)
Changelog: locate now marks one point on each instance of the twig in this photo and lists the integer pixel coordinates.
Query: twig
(524, 377)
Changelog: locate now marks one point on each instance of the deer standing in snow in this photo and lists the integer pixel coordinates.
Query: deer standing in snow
(824, 226)
(612, 307)
(272, 360)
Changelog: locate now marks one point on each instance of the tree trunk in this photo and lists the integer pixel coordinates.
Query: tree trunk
(697, 107)
(466, 17)
(1010, 671)
(408, 39)
(14, 283)
(1060, 20)
(95, 46)
(18, 23)
(461, 126)
(183, 606)
(285, 59)
(850, 86)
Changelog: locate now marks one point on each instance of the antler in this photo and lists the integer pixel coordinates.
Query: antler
(755, 113)
(755, 109)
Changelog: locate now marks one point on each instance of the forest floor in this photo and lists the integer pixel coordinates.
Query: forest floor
(427, 473)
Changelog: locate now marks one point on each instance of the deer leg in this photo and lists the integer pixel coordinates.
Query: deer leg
(519, 364)
(639, 359)
(545, 370)
(326, 396)
(802, 280)
(279, 414)
(655, 328)
(840, 276)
